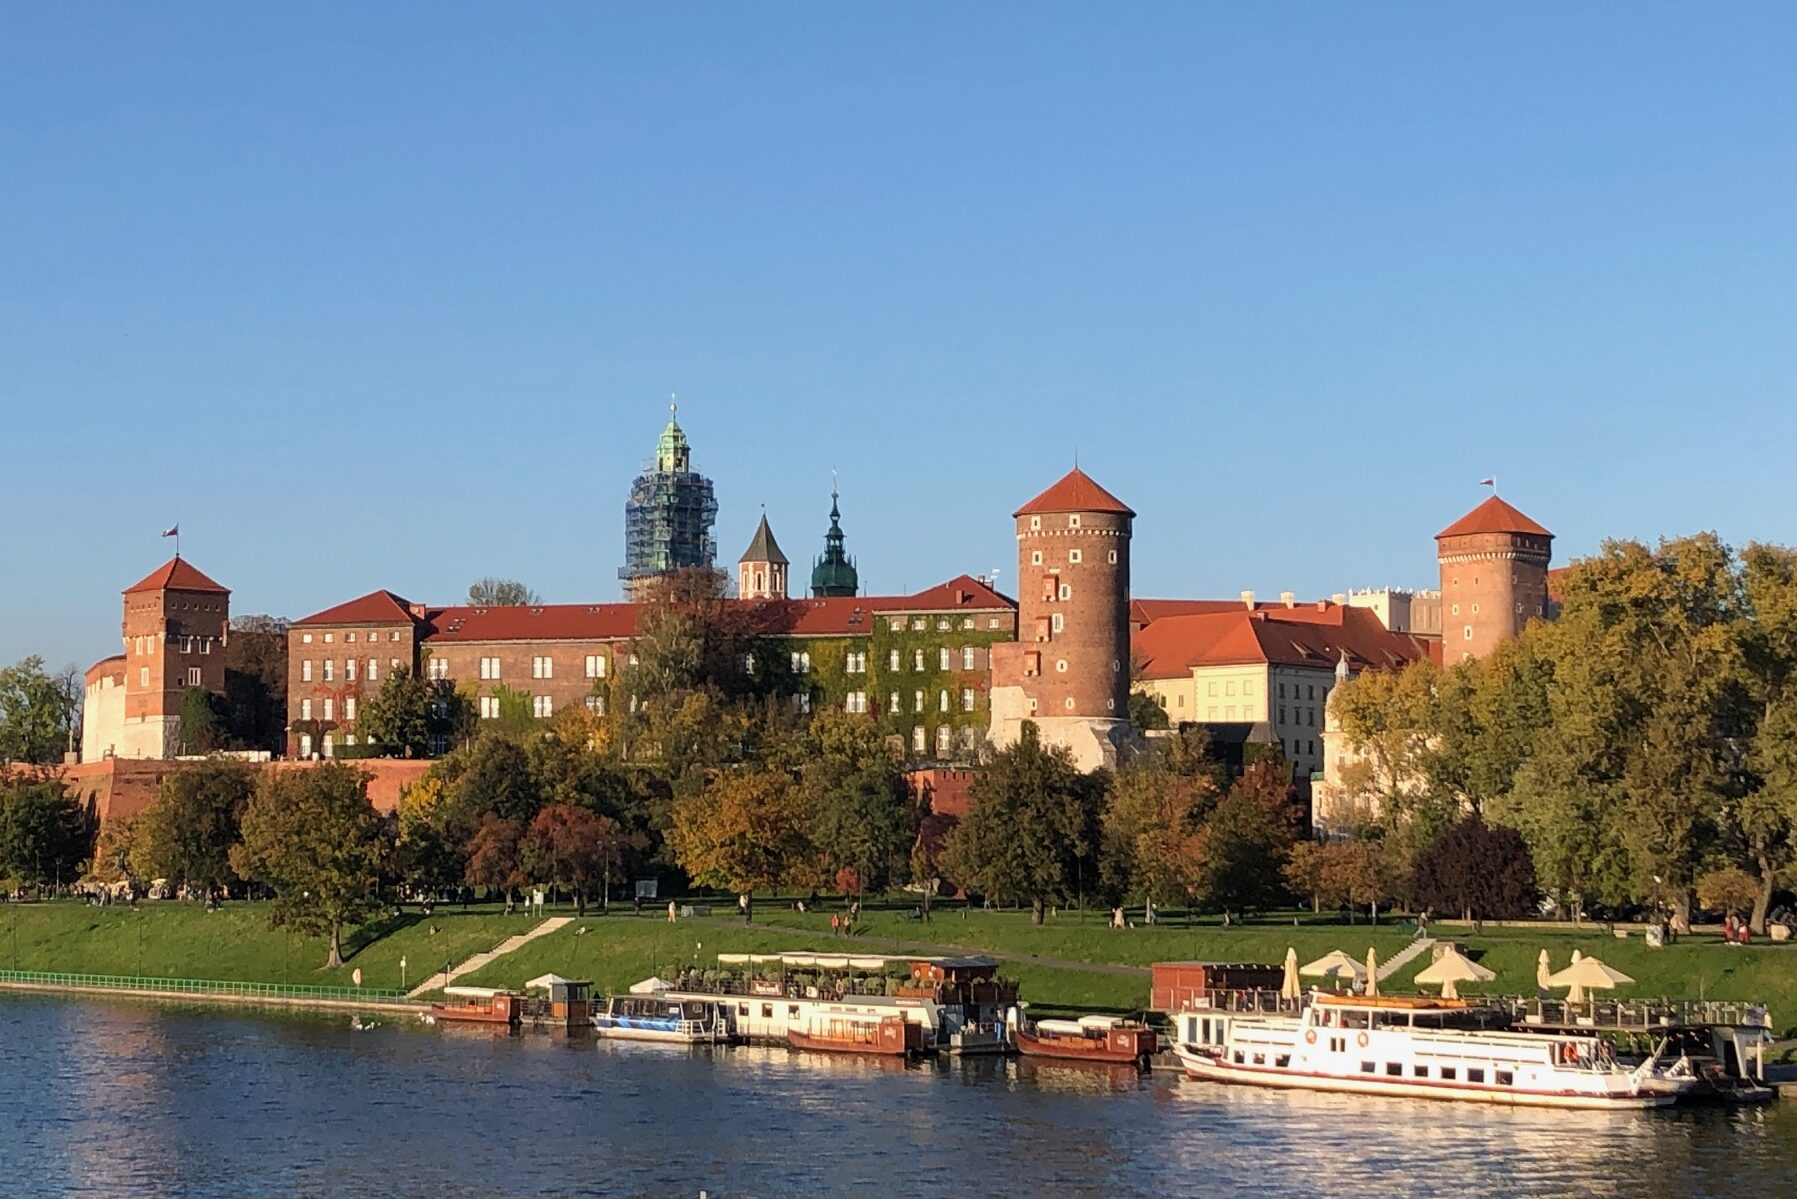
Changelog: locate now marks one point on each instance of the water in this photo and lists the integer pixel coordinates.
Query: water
(125, 1099)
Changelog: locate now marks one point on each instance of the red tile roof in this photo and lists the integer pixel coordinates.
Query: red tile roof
(177, 574)
(1146, 611)
(1493, 516)
(1172, 647)
(1076, 491)
(377, 607)
(114, 666)
(611, 622)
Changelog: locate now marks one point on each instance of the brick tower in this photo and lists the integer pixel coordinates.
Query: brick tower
(1068, 670)
(761, 571)
(1493, 578)
(174, 631)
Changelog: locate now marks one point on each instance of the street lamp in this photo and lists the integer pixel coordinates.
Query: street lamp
(402, 974)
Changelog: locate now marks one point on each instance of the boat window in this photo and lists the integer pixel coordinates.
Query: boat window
(792, 1009)
(1475, 1074)
(1395, 1069)
(1367, 1068)
(1505, 1078)
(1357, 1019)
(767, 1011)
(1338, 1044)
(1260, 1059)
(1283, 1060)
(1449, 1073)
(1238, 1057)
(1420, 1071)
(742, 1009)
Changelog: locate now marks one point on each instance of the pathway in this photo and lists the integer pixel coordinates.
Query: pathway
(443, 978)
(1409, 954)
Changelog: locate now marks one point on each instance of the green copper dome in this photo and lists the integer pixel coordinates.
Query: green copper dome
(834, 572)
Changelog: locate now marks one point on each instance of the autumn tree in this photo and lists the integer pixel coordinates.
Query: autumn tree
(1728, 889)
(313, 837)
(572, 848)
(1154, 812)
(748, 831)
(501, 593)
(186, 833)
(1031, 828)
(1477, 871)
(1244, 842)
(492, 856)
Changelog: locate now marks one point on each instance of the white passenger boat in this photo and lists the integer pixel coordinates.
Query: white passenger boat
(1418, 1048)
(653, 1018)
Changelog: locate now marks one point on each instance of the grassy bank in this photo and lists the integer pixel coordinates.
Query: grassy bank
(170, 940)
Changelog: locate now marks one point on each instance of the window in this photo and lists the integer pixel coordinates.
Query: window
(945, 740)
(1069, 704)
(305, 709)
(1066, 591)
(349, 707)
(306, 671)
(892, 660)
(968, 657)
(1057, 622)
(856, 702)
(1229, 687)
(1212, 689)
(305, 639)
(349, 670)
(942, 624)
(1075, 557)
(1282, 1060)
(767, 1011)
(1448, 1073)
(801, 661)
(349, 636)
(596, 704)
(1281, 713)
(802, 702)
(1395, 1069)
(917, 739)
(1475, 609)
(489, 668)
(330, 670)
(1060, 666)
(1310, 691)
(541, 706)
(967, 699)
(489, 707)
(1475, 1074)
(193, 676)
(992, 622)
(1248, 687)
(1367, 1068)
(305, 741)
(1073, 522)
(1113, 558)
(1035, 557)
(893, 706)
(542, 668)
(439, 668)
(393, 636)
(917, 660)
(896, 624)
(595, 666)
(1505, 1078)
(1419, 1072)
(1469, 633)
(919, 624)
(1035, 522)
(1456, 610)
(942, 700)
(942, 658)
(372, 664)
(327, 638)
(857, 662)
(329, 708)
(917, 701)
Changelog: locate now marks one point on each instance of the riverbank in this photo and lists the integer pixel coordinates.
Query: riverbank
(1073, 962)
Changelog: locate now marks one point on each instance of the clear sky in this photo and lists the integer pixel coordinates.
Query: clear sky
(394, 295)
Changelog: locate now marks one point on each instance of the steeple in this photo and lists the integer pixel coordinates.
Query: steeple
(761, 571)
(672, 454)
(668, 518)
(834, 572)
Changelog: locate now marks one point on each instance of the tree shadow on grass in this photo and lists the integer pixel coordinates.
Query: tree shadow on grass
(379, 929)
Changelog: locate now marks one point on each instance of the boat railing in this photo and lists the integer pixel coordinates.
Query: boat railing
(1644, 1015)
(199, 986)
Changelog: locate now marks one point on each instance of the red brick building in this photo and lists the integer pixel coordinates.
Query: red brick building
(1494, 568)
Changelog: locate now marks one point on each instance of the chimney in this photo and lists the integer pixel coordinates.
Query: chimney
(1322, 605)
(417, 611)
(1248, 600)
(1285, 597)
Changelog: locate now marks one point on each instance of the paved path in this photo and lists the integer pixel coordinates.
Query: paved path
(1403, 958)
(442, 978)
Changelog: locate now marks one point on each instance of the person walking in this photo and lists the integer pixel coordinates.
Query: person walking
(835, 925)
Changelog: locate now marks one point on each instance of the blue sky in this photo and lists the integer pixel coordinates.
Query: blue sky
(394, 295)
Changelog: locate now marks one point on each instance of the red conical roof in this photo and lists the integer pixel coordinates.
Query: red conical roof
(177, 574)
(1493, 516)
(1075, 492)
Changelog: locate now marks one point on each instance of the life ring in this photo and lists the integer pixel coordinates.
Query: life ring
(1361, 1040)
(1310, 1036)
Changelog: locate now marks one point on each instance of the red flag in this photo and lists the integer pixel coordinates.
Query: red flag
(173, 531)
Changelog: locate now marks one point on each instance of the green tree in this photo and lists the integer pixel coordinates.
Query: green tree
(312, 836)
(256, 682)
(37, 712)
(1145, 714)
(414, 717)
(1031, 829)
(46, 835)
(501, 593)
(186, 833)
(205, 722)
(748, 831)
(862, 816)
(1246, 839)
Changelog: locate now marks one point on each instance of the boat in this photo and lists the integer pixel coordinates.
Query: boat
(478, 1005)
(854, 1032)
(1419, 1048)
(1104, 1039)
(654, 1018)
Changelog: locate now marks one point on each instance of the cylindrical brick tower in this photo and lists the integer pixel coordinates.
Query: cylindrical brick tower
(1069, 669)
(1494, 564)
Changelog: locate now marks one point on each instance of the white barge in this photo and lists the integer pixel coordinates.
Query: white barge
(1416, 1048)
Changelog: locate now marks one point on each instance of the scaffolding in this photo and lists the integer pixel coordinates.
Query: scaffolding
(668, 518)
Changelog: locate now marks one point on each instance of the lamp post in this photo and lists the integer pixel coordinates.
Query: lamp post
(402, 974)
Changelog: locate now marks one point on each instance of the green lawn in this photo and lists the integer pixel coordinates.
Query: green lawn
(235, 943)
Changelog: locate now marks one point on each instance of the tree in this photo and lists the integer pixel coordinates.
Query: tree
(413, 716)
(747, 831)
(1245, 841)
(1728, 889)
(1145, 714)
(572, 848)
(492, 855)
(1031, 826)
(1150, 830)
(1304, 872)
(256, 682)
(1355, 873)
(1390, 720)
(862, 816)
(204, 722)
(491, 774)
(501, 593)
(423, 854)
(37, 712)
(1478, 871)
(186, 833)
(45, 833)
(313, 837)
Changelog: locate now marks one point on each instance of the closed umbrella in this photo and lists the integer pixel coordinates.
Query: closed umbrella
(1290, 988)
(1334, 964)
(1372, 971)
(1542, 971)
(1587, 974)
(1450, 969)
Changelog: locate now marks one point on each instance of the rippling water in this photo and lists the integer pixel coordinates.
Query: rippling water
(124, 1099)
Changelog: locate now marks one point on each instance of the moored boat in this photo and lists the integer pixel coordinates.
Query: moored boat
(1420, 1048)
(1103, 1039)
(653, 1018)
(887, 1036)
(478, 1005)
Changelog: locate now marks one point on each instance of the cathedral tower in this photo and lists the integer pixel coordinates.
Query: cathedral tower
(668, 519)
(834, 572)
(761, 571)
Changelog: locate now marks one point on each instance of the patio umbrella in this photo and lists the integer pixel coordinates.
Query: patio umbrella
(1372, 971)
(1290, 987)
(1451, 968)
(1587, 974)
(1334, 964)
(1542, 970)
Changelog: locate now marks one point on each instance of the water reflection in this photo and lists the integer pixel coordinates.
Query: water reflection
(121, 1099)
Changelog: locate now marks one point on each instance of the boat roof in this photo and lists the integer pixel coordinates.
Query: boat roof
(1394, 1003)
(475, 992)
(845, 961)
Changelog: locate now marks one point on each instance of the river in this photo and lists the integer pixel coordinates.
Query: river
(122, 1099)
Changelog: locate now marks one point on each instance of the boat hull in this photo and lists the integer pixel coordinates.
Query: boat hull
(449, 1015)
(1203, 1068)
(637, 1030)
(811, 1044)
(1107, 1051)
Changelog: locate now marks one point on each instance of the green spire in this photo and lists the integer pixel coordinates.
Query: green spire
(673, 454)
(834, 572)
